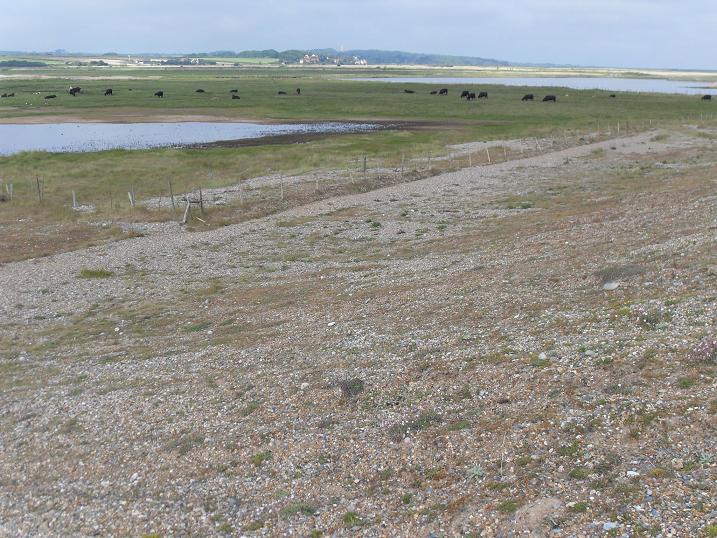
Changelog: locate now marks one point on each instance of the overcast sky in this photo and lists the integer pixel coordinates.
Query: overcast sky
(620, 33)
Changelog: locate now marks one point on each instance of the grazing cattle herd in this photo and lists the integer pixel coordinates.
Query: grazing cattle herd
(468, 95)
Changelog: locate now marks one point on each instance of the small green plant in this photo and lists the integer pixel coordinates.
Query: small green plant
(572, 450)
(685, 383)
(352, 519)
(249, 409)
(476, 472)
(651, 319)
(185, 443)
(254, 526)
(579, 507)
(260, 457)
(660, 472)
(579, 473)
(297, 508)
(398, 431)
(459, 425)
(406, 498)
(198, 327)
(95, 273)
(350, 388)
(711, 530)
(508, 507)
(537, 362)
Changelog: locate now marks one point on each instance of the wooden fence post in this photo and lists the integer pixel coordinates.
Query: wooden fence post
(487, 152)
(74, 200)
(187, 212)
(171, 194)
(201, 200)
(39, 189)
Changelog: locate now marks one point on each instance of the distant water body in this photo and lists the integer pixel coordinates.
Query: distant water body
(85, 137)
(646, 85)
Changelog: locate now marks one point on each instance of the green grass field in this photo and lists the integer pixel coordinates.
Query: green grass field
(97, 177)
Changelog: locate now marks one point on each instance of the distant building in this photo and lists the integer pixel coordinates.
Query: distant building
(310, 59)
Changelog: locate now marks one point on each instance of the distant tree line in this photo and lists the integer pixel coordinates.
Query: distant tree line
(21, 63)
(372, 56)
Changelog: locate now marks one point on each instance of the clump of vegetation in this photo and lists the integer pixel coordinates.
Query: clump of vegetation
(618, 272)
(686, 382)
(254, 526)
(508, 507)
(519, 205)
(579, 473)
(398, 432)
(297, 508)
(350, 388)
(185, 443)
(705, 351)
(406, 498)
(352, 519)
(652, 318)
(249, 409)
(95, 273)
(579, 507)
(198, 327)
(459, 425)
(260, 457)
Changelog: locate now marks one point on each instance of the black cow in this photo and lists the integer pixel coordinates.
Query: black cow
(11, 94)
(74, 90)
(408, 91)
(613, 96)
(464, 94)
(528, 97)
(550, 98)
(159, 94)
(108, 91)
(50, 96)
(707, 97)
(199, 90)
(483, 95)
(298, 91)
(235, 96)
(471, 96)
(443, 91)
(4, 95)
(233, 91)
(434, 92)
(280, 92)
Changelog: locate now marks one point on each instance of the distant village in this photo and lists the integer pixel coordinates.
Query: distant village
(328, 60)
(306, 59)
